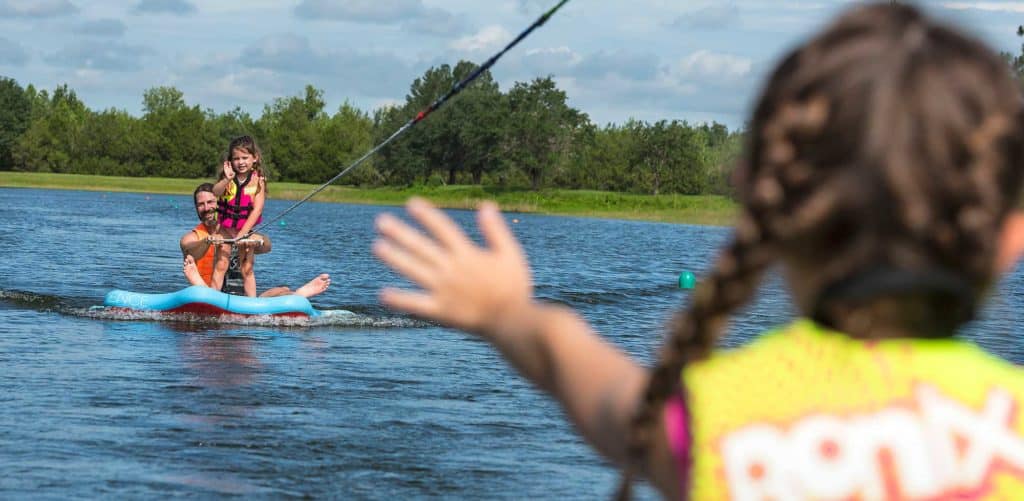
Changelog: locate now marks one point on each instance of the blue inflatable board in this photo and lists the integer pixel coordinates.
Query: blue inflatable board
(206, 301)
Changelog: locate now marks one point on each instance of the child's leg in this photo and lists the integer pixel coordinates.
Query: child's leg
(220, 266)
(222, 261)
(246, 257)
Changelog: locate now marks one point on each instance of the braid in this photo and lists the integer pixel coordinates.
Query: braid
(977, 222)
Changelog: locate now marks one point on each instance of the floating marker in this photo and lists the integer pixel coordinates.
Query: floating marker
(282, 223)
(687, 280)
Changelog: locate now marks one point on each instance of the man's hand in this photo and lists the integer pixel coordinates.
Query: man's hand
(254, 241)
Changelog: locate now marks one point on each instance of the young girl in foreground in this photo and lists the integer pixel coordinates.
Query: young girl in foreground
(883, 168)
(241, 191)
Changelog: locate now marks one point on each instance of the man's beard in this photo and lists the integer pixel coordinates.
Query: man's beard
(206, 219)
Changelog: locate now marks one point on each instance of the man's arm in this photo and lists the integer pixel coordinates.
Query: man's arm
(194, 245)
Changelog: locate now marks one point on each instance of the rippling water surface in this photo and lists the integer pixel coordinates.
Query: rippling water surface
(364, 404)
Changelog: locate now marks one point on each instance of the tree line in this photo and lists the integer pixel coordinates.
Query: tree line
(527, 137)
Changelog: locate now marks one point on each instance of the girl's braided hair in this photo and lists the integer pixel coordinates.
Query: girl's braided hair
(887, 146)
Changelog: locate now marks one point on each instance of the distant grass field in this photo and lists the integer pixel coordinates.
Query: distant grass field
(688, 209)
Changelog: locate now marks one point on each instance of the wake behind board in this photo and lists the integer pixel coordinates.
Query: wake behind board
(201, 300)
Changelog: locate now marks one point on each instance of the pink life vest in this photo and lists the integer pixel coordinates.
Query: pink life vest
(236, 204)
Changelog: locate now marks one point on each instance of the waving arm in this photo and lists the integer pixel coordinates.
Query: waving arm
(487, 291)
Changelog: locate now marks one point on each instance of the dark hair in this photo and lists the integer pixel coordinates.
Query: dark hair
(248, 144)
(202, 187)
(882, 159)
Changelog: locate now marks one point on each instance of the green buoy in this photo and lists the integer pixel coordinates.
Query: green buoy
(282, 223)
(687, 280)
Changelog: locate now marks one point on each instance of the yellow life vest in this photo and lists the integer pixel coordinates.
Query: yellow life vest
(807, 413)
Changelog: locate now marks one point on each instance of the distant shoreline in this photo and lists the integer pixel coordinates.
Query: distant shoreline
(684, 209)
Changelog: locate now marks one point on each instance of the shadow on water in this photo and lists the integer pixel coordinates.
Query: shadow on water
(618, 296)
(32, 301)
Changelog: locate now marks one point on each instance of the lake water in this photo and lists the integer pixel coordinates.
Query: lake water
(367, 405)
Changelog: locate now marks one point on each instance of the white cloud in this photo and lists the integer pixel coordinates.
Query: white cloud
(87, 77)
(553, 60)
(491, 37)
(704, 64)
(388, 103)
(240, 86)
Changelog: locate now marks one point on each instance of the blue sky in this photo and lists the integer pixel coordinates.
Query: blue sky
(645, 59)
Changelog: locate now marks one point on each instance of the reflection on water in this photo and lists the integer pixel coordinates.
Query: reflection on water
(219, 361)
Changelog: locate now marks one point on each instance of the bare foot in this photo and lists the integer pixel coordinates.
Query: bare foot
(191, 272)
(315, 286)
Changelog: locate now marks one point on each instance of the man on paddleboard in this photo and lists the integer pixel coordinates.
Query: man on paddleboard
(200, 255)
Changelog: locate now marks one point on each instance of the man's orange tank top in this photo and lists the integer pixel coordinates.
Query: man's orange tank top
(205, 264)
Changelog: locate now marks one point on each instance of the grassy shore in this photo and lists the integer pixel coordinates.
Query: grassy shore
(691, 209)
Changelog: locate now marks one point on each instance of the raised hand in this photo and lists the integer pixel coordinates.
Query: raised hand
(229, 173)
(473, 288)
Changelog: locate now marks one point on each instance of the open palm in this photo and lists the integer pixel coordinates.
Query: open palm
(465, 286)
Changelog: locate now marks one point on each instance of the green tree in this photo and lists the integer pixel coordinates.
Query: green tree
(431, 145)
(601, 158)
(476, 127)
(292, 127)
(39, 101)
(112, 144)
(670, 157)
(51, 142)
(434, 139)
(345, 137)
(15, 116)
(232, 124)
(398, 163)
(724, 150)
(177, 139)
(541, 128)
